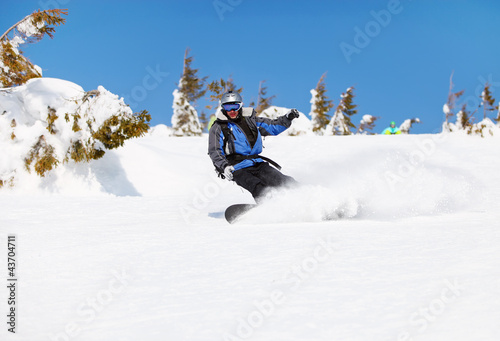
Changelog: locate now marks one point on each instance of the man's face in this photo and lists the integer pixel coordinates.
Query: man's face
(232, 109)
(233, 114)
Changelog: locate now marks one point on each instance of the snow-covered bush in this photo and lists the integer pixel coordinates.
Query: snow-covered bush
(407, 124)
(49, 122)
(366, 124)
(485, 128)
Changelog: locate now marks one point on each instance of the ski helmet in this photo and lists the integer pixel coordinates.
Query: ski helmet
(231, 97)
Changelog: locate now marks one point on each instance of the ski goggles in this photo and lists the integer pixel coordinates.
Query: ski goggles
(231, 106)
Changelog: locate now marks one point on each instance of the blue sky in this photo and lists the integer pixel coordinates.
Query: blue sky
(399, 55)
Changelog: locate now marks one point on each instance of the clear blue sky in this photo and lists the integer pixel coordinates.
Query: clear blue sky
(400, 53)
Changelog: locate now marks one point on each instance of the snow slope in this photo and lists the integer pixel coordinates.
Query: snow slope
(134, 247)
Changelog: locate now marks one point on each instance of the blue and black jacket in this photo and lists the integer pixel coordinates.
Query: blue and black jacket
(231, 147)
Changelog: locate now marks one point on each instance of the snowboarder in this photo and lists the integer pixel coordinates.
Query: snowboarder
(235, 142)
(392, 130)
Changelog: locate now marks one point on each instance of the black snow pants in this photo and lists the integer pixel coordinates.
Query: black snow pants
(260, 177)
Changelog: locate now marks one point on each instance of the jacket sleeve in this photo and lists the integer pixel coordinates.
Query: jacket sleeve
(269, 126)
(215, 147)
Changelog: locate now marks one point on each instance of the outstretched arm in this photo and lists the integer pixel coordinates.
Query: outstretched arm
(269, 126)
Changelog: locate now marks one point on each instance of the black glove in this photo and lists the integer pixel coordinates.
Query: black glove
(293, 113)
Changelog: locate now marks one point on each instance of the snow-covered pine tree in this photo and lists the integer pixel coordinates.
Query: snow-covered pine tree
(15, 68)
(320, 106)
(367, 124)
(487, 101)
(341, 123)
(185, 121)
(337, 125)
(263, 102)
(407, 124)
(349, 108)
(465, 119)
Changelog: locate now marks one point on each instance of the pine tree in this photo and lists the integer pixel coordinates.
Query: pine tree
(262, 102)
(465, 119)
(190, 84)
(488, 101)
(218, 88)
(341, 123)
(15, 69)
(320, 106)
(185, 121)
(349, 108)
(231, 86)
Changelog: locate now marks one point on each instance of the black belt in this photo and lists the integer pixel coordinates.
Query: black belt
(237, 158)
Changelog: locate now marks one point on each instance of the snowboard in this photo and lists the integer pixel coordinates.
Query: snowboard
(233, 212)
